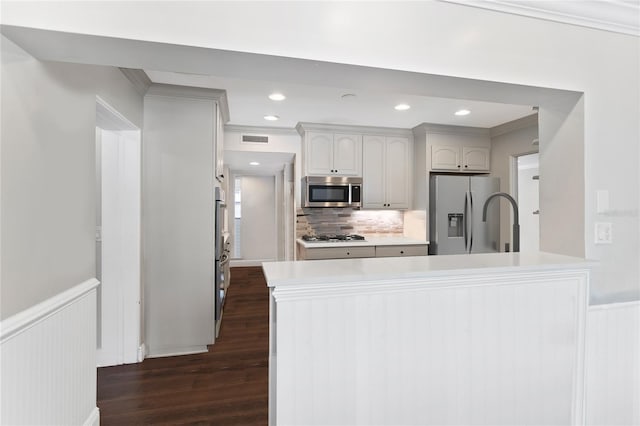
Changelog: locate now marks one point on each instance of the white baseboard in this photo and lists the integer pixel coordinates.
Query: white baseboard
(94, 418)
(189, 350)
(240, 262)
(142, 352)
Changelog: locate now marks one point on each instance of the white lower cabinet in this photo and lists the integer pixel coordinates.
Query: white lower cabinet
(398, 251)
(316, 253)
(337, 252)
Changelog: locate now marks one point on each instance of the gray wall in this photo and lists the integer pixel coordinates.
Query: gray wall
(178, 220)
(48, 172)
(503, 147)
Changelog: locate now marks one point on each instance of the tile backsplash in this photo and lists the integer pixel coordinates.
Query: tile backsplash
(315, 221)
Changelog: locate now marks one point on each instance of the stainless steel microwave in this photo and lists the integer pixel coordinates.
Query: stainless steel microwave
(331, 191)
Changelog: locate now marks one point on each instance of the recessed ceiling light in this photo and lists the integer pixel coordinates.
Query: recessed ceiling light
(402, 107)
(271, 117)
(277, 97)
(462, 112)
(254, 163)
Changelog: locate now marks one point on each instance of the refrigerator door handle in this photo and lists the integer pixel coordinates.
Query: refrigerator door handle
(465, 221)
(471, 221)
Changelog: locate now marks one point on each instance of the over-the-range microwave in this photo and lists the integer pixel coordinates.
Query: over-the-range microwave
(331, 191)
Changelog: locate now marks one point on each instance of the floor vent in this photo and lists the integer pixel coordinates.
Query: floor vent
(255, 139)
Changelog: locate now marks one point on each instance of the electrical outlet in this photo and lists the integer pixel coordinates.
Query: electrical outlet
(604, 231)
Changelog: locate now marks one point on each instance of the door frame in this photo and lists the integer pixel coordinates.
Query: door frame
(121, 258)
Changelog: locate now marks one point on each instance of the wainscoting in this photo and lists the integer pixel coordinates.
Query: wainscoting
(49, 361)
(495, 348)
(613, 364)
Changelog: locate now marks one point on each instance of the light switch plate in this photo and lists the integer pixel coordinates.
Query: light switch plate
(602, 201)
(604, 231)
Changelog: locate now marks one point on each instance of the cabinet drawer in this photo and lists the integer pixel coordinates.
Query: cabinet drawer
(396, 251)
(339, 252)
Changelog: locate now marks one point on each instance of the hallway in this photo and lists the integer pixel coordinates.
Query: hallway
(226, 386)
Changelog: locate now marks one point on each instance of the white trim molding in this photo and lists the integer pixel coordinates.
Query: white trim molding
(619, 16)
(94, 418)
(26, 319)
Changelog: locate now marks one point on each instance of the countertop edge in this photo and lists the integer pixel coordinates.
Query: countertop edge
(369, 242)
(339, 271)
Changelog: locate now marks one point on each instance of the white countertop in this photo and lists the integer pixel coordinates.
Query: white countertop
(388, 268)
(369, 241)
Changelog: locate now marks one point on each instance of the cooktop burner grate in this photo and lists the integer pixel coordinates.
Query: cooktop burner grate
(332, 237)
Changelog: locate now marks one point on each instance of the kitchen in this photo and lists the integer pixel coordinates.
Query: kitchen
(406, 214)
(567, 191)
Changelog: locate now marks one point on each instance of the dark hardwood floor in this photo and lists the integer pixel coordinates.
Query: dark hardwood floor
(226, 386)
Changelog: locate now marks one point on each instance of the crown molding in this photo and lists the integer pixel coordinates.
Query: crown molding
(447, 129)
(303, 127)
(138, 78)
(260, 130)
(619, 16)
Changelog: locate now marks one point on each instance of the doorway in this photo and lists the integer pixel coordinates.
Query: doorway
(528, 175)
(254, 236)
(118, 236)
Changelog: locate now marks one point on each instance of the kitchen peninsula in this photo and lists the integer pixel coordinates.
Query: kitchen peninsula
(491, 338)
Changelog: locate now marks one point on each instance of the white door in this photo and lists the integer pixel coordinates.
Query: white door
(118, 256)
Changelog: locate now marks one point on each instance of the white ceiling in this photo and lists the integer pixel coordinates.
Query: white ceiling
(269, 162)
(249, 103)
(313, 89)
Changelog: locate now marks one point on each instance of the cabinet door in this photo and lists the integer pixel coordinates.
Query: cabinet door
(475, 158)
(373, 172)
(397, 172)
(398, 251)
(445, 157)
(339, 252)
(319, 154)
(347, 155)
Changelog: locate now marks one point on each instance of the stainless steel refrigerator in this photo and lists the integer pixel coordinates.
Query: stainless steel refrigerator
(455, 215)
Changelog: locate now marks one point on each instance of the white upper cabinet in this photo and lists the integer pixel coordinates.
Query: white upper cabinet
(333, 154)
(445, 157)
(458, 149)
(386, 172)
(319, 153)
(475, 158)
(460, 158)
(373, 172)
(347, 155)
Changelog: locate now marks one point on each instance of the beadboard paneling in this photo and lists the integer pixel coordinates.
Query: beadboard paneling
(487, 351)
(613, 364)
(49, 361)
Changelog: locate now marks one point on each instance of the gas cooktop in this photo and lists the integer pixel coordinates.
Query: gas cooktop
(332, 238)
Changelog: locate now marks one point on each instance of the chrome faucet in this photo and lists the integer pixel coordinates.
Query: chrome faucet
(516, 220)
